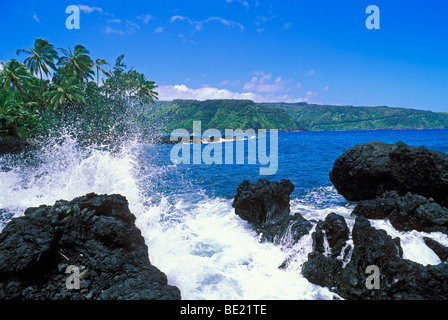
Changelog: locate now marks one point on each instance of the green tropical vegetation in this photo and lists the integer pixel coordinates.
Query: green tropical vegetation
(244, 114)
(331, 117)
(48, 91)
(220, 114)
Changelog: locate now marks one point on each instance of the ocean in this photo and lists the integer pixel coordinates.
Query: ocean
(185, 213)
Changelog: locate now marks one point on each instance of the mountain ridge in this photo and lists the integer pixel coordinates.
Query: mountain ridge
(244, 114)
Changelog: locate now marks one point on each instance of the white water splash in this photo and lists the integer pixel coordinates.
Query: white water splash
(412, 242)
(202, 246)
(63, 170)
(212, 254)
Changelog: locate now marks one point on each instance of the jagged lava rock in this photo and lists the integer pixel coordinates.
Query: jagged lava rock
(95, 233)
(263, 200)
(265, 204)
(440, 250)
(365, 171)
(336, 231)
(399, 278)
(286, 229)
(405, 213)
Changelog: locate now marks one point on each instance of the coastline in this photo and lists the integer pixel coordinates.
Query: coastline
(340, 250)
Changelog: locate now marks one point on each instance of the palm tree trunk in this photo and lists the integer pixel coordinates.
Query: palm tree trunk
(19, 88)
(42, 89)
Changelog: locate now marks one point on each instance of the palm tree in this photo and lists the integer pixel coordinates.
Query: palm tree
(69, 90)
(78, 63)
(40, 59)
(15, 75)
(145, 90)
(99, 63)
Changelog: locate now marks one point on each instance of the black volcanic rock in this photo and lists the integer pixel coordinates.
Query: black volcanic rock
(398, 278)
(406, 213)
(406, 185)
(265, 204)
(366, 171)
(336, 232)
(288, 228)
(263, 200)
(440, 250)
(94, 233)
(322, 270)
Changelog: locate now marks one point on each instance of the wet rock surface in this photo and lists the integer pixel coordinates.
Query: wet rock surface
(95, 237)
(406, 213)
(398, 278)
(366, 171)
(405, 185)
(263, 201)
(265, 204)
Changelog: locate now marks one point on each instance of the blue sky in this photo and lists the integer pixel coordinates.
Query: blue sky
(312, 51)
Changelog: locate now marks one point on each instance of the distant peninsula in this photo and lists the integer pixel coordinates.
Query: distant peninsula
(245, 114)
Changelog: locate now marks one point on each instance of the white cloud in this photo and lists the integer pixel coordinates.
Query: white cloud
(145, 18)
(159, 29)
(181, 18)
(229, 83)
(87, 9)
(35, 17)
(262, 20)
(110, 30)
(129, 28)
(326, 88)
(260, 82)
(309, 95)
(114, 20)
(243, 2)
(168, 93)
(310, 73)
(198, 25)
(287, 25)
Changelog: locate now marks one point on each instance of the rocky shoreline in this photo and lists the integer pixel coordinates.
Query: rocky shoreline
(403, 184)
(85, 249)
(89, 248)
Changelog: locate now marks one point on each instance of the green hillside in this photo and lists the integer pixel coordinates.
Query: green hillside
(221, 115)
(245, 114)
(328, 117)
